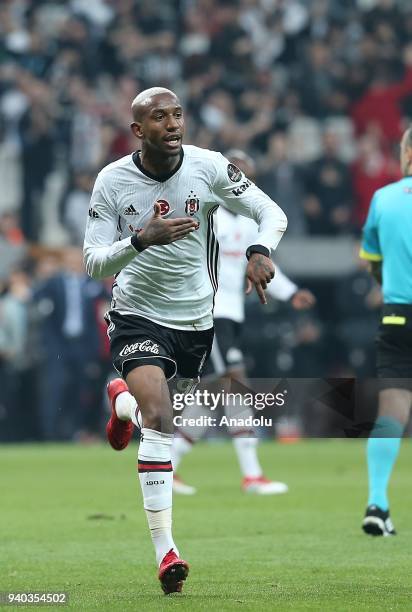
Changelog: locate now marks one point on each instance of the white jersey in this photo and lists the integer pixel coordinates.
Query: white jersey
(235, 234)
(173, 284)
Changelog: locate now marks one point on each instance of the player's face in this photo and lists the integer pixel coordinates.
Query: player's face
(162, 126)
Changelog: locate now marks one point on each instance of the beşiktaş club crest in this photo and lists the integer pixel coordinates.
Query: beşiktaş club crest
(192, 204)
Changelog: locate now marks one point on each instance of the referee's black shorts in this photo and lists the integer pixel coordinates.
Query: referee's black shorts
(394, 347)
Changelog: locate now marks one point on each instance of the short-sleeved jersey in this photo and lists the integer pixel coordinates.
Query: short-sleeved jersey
(387, 237)
(172, 284)
(235, 234)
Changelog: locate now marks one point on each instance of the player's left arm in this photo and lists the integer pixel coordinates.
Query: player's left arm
(243, 197)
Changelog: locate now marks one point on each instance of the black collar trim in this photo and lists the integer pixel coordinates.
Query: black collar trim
(160, 178)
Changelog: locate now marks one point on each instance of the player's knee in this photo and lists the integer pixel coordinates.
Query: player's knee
(157, 417)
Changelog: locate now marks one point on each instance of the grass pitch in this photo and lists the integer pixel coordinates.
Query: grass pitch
(72, 520)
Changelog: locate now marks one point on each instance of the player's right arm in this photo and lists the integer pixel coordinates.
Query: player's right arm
(103, 254)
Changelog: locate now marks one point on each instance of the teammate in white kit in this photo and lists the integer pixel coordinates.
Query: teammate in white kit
(234, 234)
(151, 224)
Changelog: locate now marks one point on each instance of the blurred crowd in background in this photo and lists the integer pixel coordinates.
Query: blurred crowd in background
(316, 91)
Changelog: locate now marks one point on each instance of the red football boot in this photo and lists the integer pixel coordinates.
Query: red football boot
(119, 433)
(172, 572)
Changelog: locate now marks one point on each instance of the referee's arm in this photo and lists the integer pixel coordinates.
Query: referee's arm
(375, 269)
(370, 247)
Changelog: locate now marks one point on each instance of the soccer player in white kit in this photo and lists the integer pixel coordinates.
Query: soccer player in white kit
(234, 234)
(151, 224)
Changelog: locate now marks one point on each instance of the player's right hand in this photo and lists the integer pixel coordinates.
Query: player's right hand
(164, 231)
(259, 272)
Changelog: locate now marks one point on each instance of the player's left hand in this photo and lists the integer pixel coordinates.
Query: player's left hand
(259, 272)
(303, 299)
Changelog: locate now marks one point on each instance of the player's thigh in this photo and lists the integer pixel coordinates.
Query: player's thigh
(148, 385)
(143, 354)
(138, 341)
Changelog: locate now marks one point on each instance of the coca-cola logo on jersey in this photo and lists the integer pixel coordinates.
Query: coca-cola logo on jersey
(146, 346)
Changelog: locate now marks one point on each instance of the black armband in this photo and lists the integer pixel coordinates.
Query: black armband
(257, 248)
(136, 243)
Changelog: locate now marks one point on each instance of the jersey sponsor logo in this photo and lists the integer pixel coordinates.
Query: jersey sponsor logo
(239, 190)
(154, 482)
(164, 207)
(130, 210)
(192, 204)
(146, 346)
(234, 173)
(93, 214)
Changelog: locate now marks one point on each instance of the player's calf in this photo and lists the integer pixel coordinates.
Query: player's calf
(148, 384)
